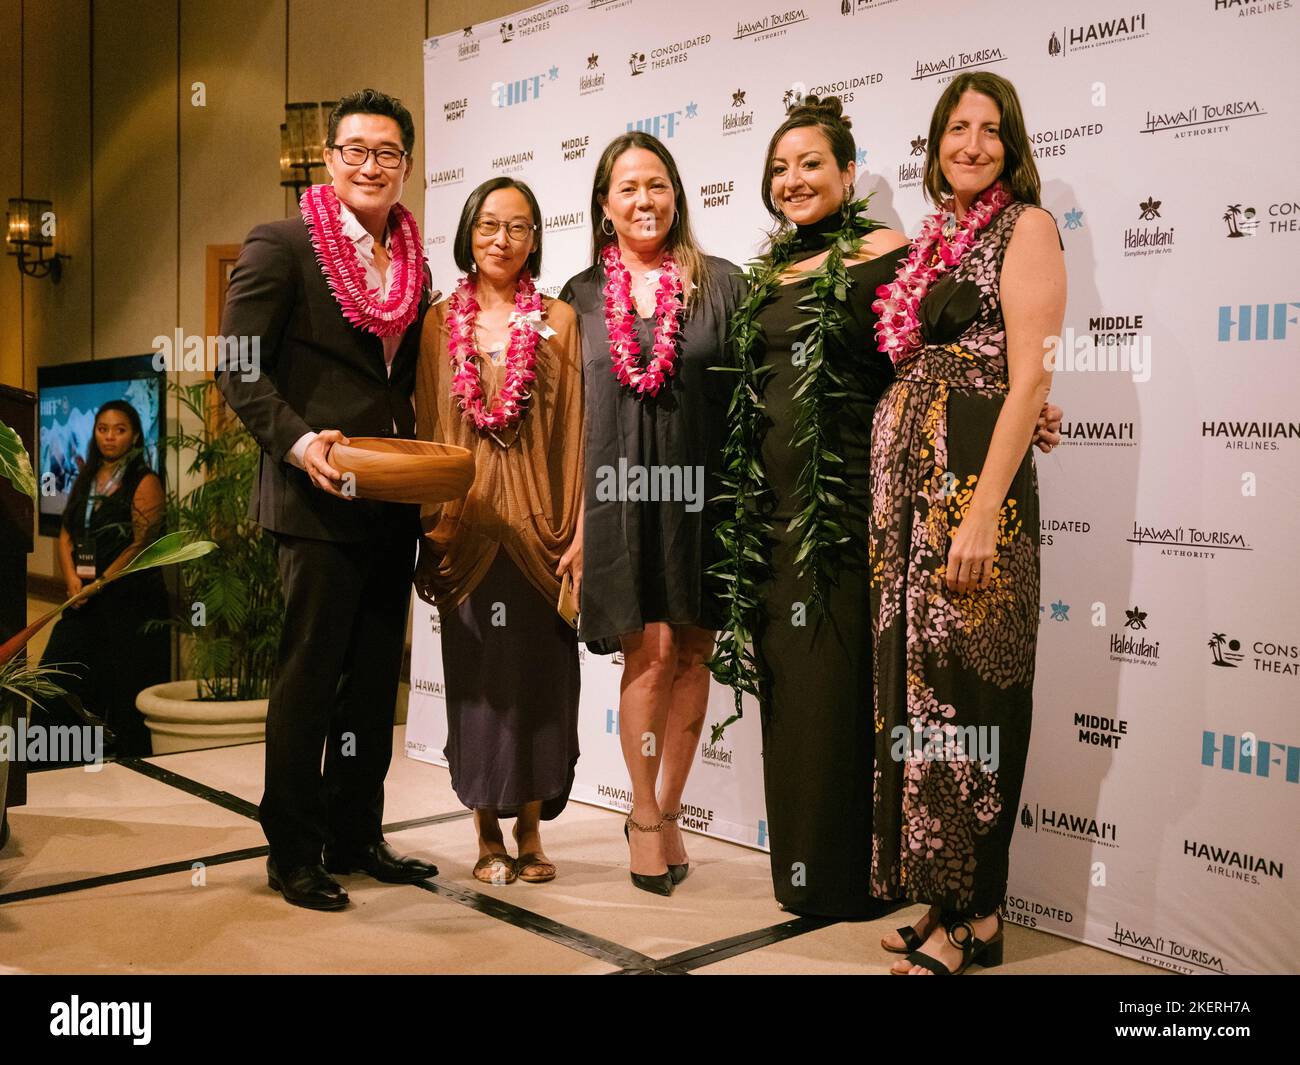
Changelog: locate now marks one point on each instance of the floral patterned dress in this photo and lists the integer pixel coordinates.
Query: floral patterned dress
(953, 673)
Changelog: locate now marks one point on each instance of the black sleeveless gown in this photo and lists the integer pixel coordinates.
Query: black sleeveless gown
(103, 645)
(817, 704)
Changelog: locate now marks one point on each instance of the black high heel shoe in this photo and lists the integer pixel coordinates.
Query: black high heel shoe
(655, 883)
(677, 872)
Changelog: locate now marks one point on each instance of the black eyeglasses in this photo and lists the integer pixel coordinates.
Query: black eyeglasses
(516, 230)
(357, 154)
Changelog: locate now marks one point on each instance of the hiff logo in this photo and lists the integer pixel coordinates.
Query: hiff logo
(611, 721)
(1249, 755)
(663, 126)
(1263, 321)
(521, 90)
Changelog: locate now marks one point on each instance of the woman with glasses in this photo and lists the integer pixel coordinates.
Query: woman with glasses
(653, 311)
(500, 374)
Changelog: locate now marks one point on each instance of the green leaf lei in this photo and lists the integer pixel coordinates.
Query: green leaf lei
(743, 531)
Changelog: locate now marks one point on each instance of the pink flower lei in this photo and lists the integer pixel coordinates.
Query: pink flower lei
(346, 275)
(511, 402)
(935, 251)
(621, 323)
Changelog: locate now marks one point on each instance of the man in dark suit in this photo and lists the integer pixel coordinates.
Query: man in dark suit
(335, 362)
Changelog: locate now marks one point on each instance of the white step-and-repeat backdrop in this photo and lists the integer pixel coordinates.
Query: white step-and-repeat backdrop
(1162, 801)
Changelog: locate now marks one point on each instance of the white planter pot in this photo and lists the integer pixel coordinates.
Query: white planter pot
(179, 721)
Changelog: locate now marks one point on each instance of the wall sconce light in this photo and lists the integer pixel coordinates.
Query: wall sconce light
(29, 231)
(302, 143)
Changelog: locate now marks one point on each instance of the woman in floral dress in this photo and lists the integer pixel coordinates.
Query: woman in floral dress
(954, 527)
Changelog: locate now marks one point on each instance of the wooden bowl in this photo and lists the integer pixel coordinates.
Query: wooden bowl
(404, 471)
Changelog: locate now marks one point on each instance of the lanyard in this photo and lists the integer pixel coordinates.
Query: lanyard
(113, 482)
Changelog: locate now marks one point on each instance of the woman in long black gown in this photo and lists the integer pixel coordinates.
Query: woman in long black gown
(814, 651)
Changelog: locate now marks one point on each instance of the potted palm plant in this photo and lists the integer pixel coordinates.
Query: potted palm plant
(232, 609)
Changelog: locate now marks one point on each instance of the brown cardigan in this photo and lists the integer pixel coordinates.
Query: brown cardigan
(525, 498)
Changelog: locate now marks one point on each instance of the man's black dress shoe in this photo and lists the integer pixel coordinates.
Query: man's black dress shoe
(381, 862)
(307, 885)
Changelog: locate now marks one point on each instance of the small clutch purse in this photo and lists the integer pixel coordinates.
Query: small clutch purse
(567, 607)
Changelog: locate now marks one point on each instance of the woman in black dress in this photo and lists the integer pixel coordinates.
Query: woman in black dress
(813, 644)
(114, 511)
(655, 415)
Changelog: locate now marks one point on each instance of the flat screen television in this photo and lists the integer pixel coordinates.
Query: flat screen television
(67, 398)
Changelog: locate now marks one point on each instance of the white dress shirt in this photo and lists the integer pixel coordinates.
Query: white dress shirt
(377, 282)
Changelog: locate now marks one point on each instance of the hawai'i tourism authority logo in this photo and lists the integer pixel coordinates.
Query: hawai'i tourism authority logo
(1168, 953)
(773, 24)
(1202, 119)
(1188, 541)
(947, 67)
